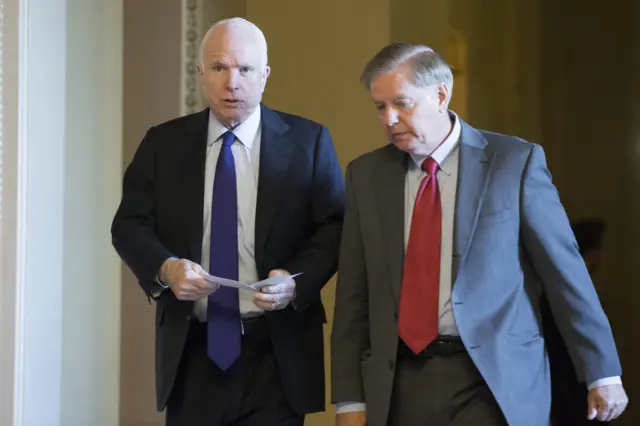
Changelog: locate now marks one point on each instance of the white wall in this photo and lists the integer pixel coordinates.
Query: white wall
(60, 288)
(93, 165)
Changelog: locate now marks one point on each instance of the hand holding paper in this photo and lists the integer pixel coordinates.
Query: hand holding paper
(185, 278)
(277, 291)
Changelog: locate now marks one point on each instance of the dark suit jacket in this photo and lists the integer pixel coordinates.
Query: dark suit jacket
(511, 233)
(299, 213)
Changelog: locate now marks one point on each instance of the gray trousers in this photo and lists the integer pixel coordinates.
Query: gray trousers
(441, 391)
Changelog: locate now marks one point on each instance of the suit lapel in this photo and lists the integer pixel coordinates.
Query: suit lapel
(473, 178)
(276, 151)
(390, 179)
(192, 176)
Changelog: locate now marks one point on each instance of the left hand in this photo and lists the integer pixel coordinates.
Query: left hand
(606, 402)
(276, 297)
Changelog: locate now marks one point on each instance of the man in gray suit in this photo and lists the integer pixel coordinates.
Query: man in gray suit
(450, 236)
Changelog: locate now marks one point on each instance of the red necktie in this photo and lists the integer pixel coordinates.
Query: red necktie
(418, 318)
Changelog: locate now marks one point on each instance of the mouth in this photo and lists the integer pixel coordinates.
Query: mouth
(231, 102)
(399, 135)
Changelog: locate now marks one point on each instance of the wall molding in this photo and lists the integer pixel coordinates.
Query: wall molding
(192, 24)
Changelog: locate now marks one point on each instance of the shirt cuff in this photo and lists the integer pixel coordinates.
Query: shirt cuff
(350, 407)
(158, 290)
(157, 280)
(607, 381)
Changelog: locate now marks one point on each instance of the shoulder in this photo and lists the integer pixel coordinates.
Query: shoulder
(508, 147)
(377, 159)
(294, 122)
(511, 151)
(506, 143)
(182, 123)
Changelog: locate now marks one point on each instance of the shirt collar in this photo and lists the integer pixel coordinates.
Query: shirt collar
(441, 153)
(245, 132)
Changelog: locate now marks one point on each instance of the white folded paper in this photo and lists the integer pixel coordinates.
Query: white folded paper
(277, 279)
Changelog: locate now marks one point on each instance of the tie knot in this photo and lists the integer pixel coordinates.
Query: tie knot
(430, 166)
(228, 138)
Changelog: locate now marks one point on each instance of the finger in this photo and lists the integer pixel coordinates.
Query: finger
(272, 289)
(603, 413)
(186, 292)
(615, 411)
(194, 295)
(265, 306)
(592, 406)
(201, 283)
(198, 269)
(267, 297)
(623, 405)
(195, 288)
(186, 264)
(196, 279)
(277, 273)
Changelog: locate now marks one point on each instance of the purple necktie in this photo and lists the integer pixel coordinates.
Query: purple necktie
(223, 310)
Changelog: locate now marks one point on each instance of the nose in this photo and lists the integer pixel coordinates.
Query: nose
(390, 117)
(232, 80)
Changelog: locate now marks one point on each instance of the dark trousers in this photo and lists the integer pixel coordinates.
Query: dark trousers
(441, 390)
(249, 393)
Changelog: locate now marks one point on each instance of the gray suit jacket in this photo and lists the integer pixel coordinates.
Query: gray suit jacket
(512, 240)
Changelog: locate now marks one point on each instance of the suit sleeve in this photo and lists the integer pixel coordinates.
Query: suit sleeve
(133, 229)
(350, 334)
(318, 256)
(550, 242)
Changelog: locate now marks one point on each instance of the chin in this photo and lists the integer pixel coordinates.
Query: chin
(408, 146)
(235, 117)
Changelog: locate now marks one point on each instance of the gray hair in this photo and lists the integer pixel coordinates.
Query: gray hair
(429, 67)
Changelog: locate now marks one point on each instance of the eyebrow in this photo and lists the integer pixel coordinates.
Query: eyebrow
(396, 99)
(225, 66)
(219, 64)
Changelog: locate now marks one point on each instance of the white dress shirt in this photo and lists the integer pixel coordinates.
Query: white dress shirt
(447, 156)
(246, 156)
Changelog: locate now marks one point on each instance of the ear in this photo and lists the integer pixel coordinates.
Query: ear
(265, 75)
(199, 73)
(444, 96)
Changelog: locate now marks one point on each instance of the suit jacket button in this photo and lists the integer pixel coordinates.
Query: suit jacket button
(391, 365)
(396, 315)
(189, 317)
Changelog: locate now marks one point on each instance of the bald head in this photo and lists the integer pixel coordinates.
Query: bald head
(233, 69)
(235, 30)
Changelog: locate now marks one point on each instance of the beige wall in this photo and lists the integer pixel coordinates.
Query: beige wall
(316, 56)
(152, 62)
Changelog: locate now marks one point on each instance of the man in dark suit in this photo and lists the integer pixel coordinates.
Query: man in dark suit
(448, 233)
(568, 394)
(242, 192)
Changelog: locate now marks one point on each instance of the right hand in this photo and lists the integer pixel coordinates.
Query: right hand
(355, 418)
(184, 277)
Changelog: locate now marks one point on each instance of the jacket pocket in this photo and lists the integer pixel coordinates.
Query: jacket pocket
(524, 337)
(493, 218)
